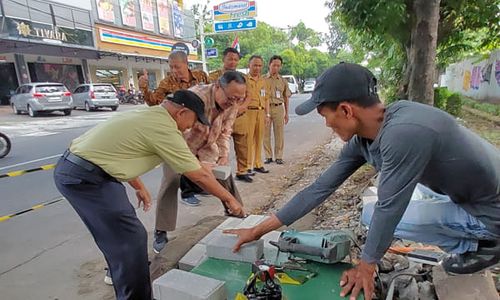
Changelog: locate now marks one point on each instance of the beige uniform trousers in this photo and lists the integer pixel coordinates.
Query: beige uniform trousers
(166, 206)
(256, 122)
(240, 138)
(278, 126)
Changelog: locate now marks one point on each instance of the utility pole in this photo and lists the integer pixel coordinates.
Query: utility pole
(201, 26)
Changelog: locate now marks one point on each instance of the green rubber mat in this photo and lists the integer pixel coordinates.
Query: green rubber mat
(324, 286)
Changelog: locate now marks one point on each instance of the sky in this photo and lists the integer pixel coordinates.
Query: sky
(284, 13)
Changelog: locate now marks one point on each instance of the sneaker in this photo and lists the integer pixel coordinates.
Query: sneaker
(268, 161)
(280, 161)
(191, 201)
(107, 278)
(160, 240)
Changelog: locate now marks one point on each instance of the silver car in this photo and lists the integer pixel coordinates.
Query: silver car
(95, 95)
(38, 97)
(309, 86)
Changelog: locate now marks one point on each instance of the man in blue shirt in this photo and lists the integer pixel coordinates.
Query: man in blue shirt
(408, 143)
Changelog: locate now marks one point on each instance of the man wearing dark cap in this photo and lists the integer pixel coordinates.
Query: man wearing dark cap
(91, 173)
(408, 143)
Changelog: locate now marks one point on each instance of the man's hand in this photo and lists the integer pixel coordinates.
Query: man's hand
(268, 120)
(245, 235)
(235, 208)
(143, 197)
(223, 161)
(357, 278)
(286, 118)
(207, 165)
(143, 80)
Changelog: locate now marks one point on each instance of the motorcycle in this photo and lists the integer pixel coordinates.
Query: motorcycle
(129, 97)
(5, 145)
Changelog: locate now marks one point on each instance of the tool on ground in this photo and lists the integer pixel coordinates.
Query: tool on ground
(325, 246)
(267, 288)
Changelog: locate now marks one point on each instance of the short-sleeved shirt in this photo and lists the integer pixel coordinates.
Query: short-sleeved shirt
(278, 89)
(257, 91)
(171, 84)
(215, 75)
(134, 142)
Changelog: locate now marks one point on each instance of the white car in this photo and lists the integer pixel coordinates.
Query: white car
(292, 83)
(309, 86)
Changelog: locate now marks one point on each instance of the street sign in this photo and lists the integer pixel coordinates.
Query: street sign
(235, 25)
(234, 10)
(209, 42)
(195, 43)
(211, 52)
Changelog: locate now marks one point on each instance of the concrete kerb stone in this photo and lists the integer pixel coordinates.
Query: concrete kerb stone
(182, 285)
(194, 257)
(221, 248)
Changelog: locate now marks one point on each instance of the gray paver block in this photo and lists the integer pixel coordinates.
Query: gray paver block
(221, 247)
(211, 235)
(221, 172)
(369, 199)
(182, 285)
(251, 221)
(230, 223)
(370, 191)
(193, 258)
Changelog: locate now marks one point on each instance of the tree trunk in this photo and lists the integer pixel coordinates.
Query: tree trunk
(423, 51)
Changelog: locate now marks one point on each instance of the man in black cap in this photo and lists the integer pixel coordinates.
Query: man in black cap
(408, 143)
(90, 175)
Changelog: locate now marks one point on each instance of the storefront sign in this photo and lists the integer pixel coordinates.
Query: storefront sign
(147, 15)
(18, 29)
(178, 21)
(164, 17)
(127, 7)
(235, 10)
(105, 10)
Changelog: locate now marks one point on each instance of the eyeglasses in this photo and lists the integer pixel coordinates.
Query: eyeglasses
(234, 98)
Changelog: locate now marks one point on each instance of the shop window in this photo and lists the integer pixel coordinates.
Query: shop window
(16, 9)
(63, 16)
(9, 82)
(113, 76)
(82, 20)
(69, 75)
(40, 12)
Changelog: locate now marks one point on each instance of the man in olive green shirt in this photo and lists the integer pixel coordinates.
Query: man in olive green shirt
(90, 173)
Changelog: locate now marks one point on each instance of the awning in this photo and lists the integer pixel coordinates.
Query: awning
(13, 46)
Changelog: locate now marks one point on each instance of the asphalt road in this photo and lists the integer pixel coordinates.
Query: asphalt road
(43, 249)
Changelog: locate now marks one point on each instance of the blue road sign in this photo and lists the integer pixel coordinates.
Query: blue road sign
(236, 25)
(211, 52)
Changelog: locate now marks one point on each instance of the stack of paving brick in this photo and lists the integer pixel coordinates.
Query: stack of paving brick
(181, 284)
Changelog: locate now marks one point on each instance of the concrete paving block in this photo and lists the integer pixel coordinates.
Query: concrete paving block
(221, 172)
(369, 199)
(207, 238)
(370, 191)
(182, 285)
(221, 247)
(230, 223)
(193, 258)
(251, 221)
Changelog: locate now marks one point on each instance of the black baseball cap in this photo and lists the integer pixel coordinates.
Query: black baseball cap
(344, 81)
(192, 101)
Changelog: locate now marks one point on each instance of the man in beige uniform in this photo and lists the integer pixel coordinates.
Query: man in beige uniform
(278, 104)
(230, 60)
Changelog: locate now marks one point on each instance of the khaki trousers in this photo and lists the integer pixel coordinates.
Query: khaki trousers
(166, 206)
(256, 121)
(278, 125)
(240, 138)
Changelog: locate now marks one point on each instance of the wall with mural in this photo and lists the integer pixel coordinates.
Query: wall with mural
(477, 78)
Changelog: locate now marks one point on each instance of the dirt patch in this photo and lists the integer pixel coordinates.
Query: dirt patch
(486, 128)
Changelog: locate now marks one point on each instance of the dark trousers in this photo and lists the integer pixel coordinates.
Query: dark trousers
(103, 205)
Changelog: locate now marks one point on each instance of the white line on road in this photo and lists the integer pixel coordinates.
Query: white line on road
(31, 161)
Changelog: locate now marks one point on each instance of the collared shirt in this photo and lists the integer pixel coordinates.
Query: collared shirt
(278, 88)
(171, 84)
(257, 91)
(211, 143)
(215, 75)
(120, 147)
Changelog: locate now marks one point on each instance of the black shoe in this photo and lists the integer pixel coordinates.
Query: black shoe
(268, 161)
(280, 161)
(250, 172)
(487, 255)
(244, 177)
(261, 170)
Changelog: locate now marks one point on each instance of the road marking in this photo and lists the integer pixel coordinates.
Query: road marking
(38, 206)
(31, 161)
(22, 172)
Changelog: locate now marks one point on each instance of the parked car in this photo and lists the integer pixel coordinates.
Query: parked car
(309, 86)
(37, 97)
(94, 96)
(292, 83)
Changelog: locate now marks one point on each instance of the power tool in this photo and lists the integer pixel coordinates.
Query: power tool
(325, 246)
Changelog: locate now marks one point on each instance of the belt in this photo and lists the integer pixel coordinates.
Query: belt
(87, 165)
(241, 114)
(255, 108)
(276, 104)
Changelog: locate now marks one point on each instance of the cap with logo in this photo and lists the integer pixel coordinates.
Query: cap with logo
(344, 81)
(191, 101)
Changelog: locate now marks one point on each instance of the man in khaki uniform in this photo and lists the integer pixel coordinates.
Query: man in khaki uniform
(257, 113)
(231, 58)
(180, 77)
(278, 104)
